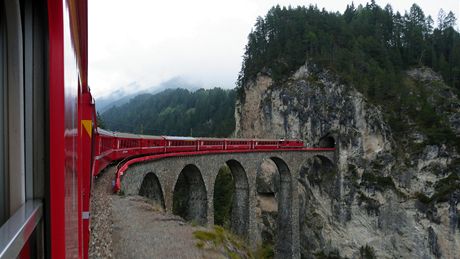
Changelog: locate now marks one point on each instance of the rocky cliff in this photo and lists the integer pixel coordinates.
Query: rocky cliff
(390, 195)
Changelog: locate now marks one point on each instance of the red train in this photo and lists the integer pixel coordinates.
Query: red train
(115, 146)
(47, 122)
(50, 146)
(134, 148)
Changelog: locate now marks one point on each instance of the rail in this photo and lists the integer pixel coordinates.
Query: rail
(15, 233)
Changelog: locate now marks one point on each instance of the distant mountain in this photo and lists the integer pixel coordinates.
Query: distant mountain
(180, 112)
(122, 96)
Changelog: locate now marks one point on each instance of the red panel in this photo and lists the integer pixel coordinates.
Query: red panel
(67, 188)
(86, 112)
(57, 116)
(25, 251)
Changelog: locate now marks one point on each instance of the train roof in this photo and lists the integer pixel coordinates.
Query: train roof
(104, 132)
(131, 135)
(125, 135)
(179, 138)
(212, 139)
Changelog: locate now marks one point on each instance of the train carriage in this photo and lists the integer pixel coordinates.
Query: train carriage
(205, 144)
(238, 144)
(46, 128)
(266, 144)
(180, 144)
(290, 143)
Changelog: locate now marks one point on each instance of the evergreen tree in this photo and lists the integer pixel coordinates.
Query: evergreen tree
(204, 113)
(368, 47)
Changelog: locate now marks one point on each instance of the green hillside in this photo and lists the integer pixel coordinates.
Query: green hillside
(178, 112)
(367, 47)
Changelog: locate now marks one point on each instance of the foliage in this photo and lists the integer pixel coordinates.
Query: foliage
(100, 122)
(232, 246)
(176, 112)
(224, 242)
(265, 251)
(223, 196)
(381, 183)
(446, 186)
(422, 197)
(376, 182)
(372, 206)
(442, 189)
(367, 252)
(334, 254)
(368, 47)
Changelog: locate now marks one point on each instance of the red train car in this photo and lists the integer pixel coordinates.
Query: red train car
(206, 144)
(266, 144)
(291, 143)
(46, 129)
(238, 144)
(180, 144)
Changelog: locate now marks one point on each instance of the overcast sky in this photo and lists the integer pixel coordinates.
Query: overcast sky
(147, 42)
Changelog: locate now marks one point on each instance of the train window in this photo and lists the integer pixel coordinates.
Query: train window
(3, 201)
(22, 110)
(11, 110)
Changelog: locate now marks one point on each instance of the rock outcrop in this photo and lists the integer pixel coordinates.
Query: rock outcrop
(389, 196)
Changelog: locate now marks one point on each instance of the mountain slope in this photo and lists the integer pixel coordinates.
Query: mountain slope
(179, 112)
(313, 75)
(124, 95)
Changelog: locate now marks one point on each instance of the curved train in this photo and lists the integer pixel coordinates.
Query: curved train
(134, 148)
(114, 146)
(50, 146)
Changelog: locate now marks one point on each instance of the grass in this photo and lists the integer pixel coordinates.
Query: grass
(194, 223)
(230, 245)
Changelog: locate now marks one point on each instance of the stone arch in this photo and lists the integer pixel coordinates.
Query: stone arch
(328, 141)
(284, 242)
(240, 204)
(151, 189)
(190, 196)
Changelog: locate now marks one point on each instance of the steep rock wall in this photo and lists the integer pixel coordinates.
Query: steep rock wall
(388, 196)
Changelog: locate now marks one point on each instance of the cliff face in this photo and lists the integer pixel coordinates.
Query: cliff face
(389, 195)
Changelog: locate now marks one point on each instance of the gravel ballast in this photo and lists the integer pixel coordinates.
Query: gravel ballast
(132, 227)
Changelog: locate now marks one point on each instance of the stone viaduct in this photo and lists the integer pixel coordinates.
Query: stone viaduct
(157, 180)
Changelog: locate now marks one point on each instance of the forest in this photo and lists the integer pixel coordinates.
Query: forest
(180, 112)
(365, 40)
(367, 47)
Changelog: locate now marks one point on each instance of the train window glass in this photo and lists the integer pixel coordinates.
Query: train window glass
(3, 202)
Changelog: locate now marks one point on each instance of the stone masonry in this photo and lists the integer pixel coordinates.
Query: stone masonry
(203, 169)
